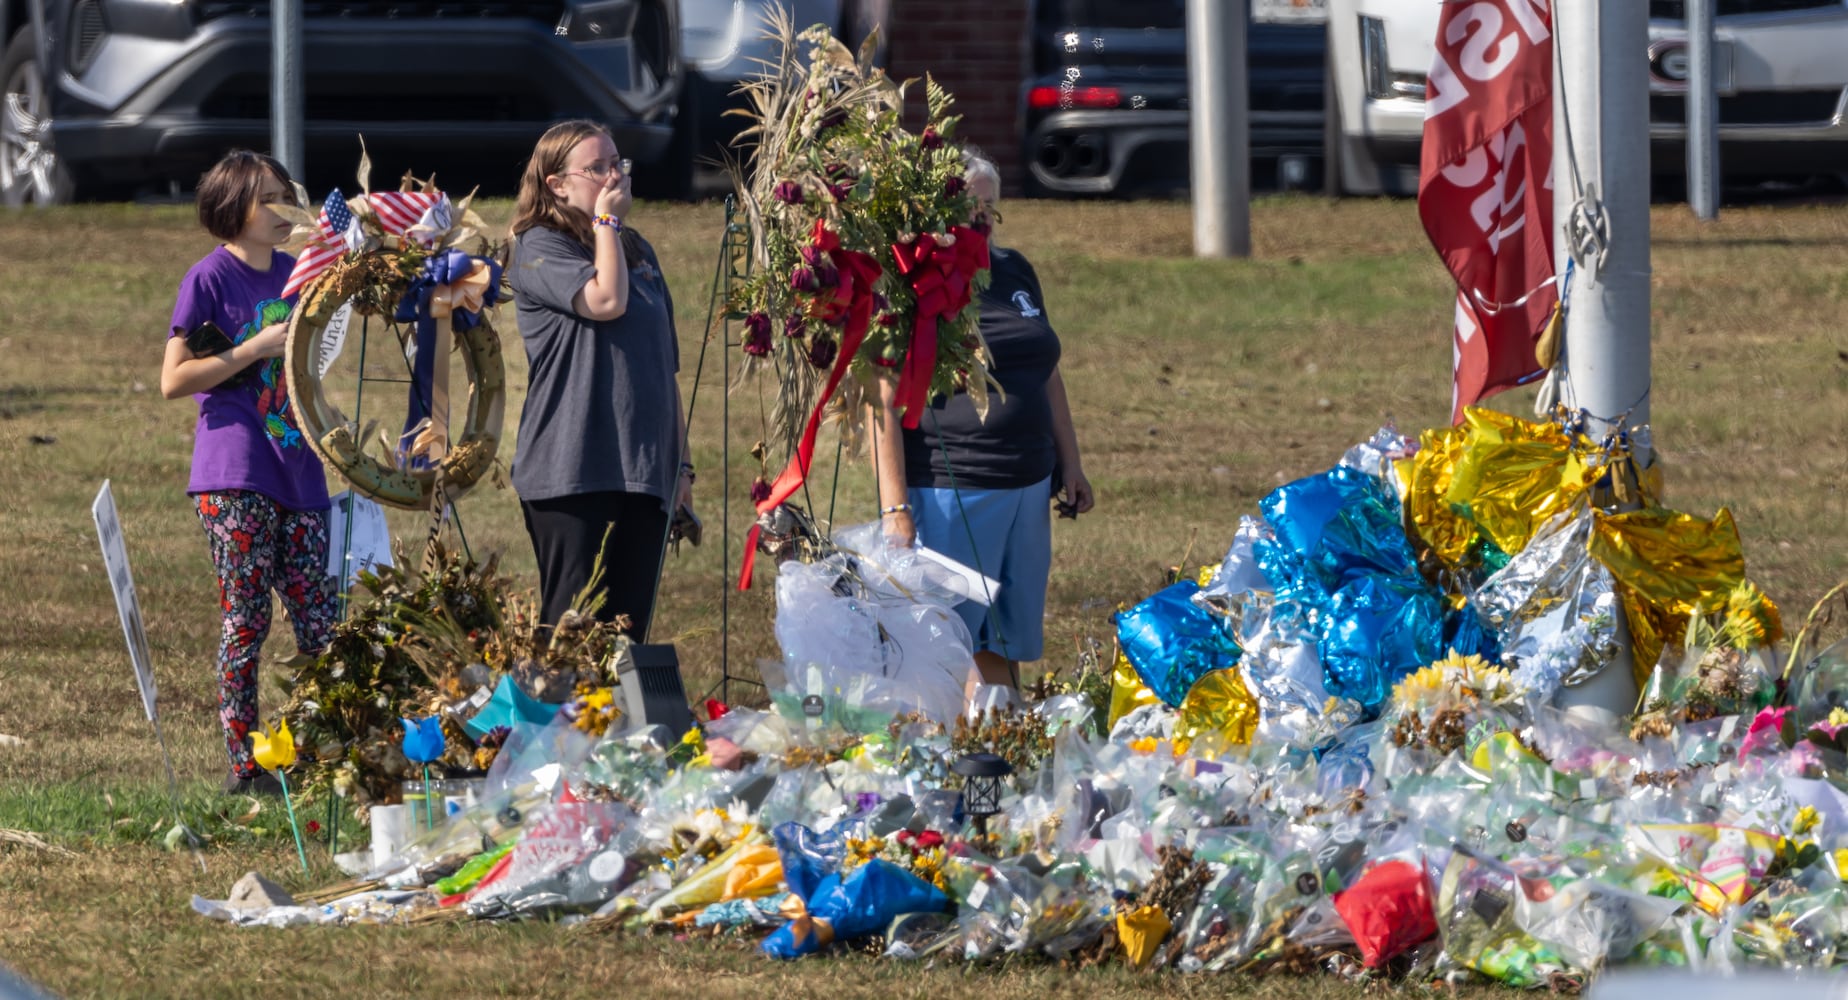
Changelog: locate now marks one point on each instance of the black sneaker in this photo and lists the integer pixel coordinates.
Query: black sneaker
(261, 783)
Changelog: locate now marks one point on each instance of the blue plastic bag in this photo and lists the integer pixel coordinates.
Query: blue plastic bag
(865, 902)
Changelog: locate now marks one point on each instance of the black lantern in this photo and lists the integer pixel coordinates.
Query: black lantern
(982, 774)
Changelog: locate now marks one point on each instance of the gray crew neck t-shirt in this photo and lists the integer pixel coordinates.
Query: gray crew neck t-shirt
(601, 412)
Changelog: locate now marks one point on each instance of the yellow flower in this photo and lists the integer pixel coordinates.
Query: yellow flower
(273, 750)
(1807, 818)
(1838, 716)
(1470, 677)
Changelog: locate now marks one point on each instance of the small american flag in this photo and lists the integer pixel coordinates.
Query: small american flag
(396, 212)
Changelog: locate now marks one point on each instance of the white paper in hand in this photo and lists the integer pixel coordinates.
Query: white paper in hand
(965, 580)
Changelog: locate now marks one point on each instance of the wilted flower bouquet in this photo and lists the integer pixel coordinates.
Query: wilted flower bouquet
(866, 253)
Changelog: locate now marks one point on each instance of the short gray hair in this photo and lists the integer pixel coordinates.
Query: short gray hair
(975, 164)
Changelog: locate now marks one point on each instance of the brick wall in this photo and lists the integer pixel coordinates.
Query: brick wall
(979, 50)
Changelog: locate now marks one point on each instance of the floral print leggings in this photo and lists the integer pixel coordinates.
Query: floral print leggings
(258, 546)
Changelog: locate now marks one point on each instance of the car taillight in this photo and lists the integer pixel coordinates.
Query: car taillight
(1071, 96)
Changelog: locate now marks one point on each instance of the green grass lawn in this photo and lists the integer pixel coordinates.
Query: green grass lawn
(1197, 386)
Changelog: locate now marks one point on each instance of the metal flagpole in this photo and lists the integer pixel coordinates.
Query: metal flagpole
(286, 85)
(1703, 134)
(1602, 148)
(1219, 127)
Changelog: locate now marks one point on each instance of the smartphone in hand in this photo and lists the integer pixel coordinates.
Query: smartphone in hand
(207, 340)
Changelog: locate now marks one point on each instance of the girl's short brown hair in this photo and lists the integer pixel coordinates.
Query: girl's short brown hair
(228, 192)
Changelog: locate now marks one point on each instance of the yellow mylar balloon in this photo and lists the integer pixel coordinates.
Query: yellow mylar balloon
(1127, 692)
(1512, 475)
(1219, 704)
(1668, 565)
(273, 750)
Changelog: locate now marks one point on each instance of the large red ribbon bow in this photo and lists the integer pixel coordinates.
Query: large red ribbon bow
(942, 276)
(851, 304)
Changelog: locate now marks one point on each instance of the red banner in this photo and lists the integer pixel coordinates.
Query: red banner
(1485, 190)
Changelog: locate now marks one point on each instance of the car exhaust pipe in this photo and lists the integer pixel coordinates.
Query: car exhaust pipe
(1087, 156)
(1055, 155)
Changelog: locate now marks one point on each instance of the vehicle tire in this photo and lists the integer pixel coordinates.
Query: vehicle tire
(30, 171)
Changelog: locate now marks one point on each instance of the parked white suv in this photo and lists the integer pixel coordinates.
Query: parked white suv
(1782, 67)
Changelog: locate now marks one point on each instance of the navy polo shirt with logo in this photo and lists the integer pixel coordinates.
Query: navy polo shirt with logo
(1013, 448)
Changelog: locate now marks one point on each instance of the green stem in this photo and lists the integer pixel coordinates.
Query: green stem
(429, 816)
(294, 827)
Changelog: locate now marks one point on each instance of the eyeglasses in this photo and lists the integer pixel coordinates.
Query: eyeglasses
(599, 171)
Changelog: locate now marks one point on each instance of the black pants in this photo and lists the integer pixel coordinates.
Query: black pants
(567, 533)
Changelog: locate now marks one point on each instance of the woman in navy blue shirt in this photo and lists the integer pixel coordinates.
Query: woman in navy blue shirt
(980, 491)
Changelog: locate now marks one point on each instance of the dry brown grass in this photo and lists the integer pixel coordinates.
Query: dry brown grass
(1197, 386)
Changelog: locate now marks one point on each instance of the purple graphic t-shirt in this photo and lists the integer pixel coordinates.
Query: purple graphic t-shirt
(247, 438)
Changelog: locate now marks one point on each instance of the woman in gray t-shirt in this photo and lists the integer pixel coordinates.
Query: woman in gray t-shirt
(602, 449)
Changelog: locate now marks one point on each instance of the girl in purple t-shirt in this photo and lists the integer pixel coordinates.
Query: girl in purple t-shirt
(258, 488)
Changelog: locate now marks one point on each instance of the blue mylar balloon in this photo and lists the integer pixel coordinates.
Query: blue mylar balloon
(1173, 642)
(423, 739)
(1299, 511)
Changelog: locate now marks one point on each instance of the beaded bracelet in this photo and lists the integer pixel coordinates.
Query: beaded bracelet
(608, 220)
(897, 508)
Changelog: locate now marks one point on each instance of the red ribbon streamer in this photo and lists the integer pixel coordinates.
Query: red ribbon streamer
(943, 278)
(852, 305)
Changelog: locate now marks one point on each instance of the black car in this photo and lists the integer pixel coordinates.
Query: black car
(111, 97)
(1106, 104)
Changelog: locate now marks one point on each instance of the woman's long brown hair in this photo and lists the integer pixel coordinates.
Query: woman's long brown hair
(538, 206)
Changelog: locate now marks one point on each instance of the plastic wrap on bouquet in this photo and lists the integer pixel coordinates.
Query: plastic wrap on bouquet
(1799, 924)
(1476, 919)
(579, 886)
(1224, 923)
(555, 838)
(807, 857)
(884, 616)
(865, 902)
(1668, 566)
(1554, 607)
(1820, 687)
(1172, 642)
(1591, 922)
(1005, 909)
(1720, 865)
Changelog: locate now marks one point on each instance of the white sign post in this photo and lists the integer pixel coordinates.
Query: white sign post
(128, 608)
(115, 561)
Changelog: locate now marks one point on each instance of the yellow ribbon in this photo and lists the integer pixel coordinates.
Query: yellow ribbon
(802, 923)
(464, 294)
